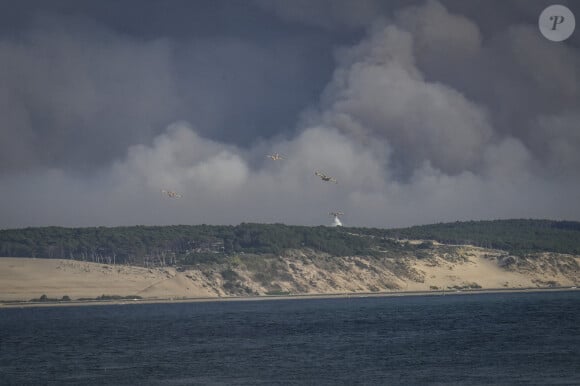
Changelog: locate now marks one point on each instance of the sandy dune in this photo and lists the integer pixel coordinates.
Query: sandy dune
(477, 270)
(25, 278)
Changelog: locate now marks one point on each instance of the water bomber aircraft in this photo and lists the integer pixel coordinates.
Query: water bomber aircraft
(170, 193)
(324, 177)
(275, 156)
(336, 215)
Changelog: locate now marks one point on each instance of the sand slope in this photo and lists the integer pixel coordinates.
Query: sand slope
(25, 279)
(297, 272)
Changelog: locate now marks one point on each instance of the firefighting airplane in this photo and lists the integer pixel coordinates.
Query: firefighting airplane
(170, 193)
(324, 177)
(275, 156)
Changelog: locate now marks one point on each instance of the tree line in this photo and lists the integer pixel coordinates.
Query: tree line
(173, 245)
(190, 244)
(518, 237)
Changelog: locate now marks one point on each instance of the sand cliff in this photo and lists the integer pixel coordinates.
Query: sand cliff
(294, 272)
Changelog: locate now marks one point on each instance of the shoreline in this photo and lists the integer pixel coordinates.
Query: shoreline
(96, 302)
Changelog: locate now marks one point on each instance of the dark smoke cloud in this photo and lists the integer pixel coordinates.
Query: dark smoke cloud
(427, 114)
(77, 93)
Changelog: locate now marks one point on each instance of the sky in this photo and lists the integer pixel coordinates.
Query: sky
(423, 111)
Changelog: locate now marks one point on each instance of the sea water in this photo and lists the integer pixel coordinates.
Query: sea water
(507, 338)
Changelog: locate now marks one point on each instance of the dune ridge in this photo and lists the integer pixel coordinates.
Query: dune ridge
(294, 272)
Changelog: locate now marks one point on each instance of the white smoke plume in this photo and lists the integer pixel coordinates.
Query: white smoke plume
(336, 222)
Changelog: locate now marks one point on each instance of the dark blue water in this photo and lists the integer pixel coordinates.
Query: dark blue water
(519, 339)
